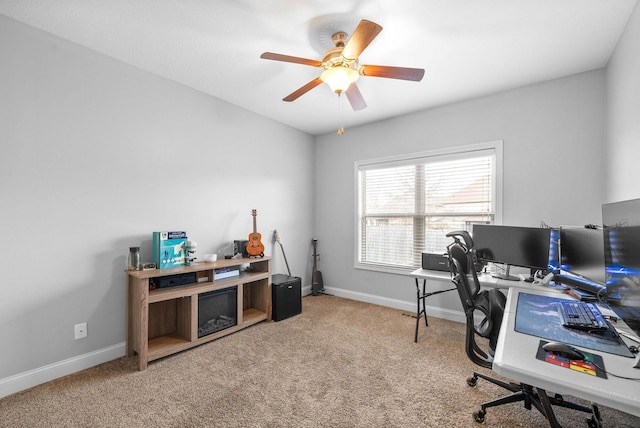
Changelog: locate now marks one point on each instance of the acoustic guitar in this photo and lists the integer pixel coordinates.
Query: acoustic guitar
(255, 247)
(276, 236)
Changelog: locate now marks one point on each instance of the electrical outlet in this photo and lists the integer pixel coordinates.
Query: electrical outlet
(81, 330)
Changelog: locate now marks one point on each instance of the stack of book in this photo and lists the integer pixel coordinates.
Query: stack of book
(227, 272)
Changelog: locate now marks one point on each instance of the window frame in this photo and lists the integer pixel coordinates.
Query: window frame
(413, 158)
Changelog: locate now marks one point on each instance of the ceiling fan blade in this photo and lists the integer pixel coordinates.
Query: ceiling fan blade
(294, 59)
(303, 90)
(355, 97)
(402, 73)
(364, 34)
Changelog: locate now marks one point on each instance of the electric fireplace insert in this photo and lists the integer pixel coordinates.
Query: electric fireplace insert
(217, 310)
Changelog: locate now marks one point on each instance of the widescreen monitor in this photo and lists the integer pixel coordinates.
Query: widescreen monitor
(512, 246)
(622, 259)
(554, 250)
(582, 253)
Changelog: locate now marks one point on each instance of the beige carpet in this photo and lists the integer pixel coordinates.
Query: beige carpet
(341, 363)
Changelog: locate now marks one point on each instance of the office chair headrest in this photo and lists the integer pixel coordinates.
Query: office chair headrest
(460, 254)
(466, 237)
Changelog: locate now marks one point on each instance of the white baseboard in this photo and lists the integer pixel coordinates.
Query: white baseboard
(432, 311)
(31, 378)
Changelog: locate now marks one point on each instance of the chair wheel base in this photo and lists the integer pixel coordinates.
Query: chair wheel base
(472, 381)
(478, 416)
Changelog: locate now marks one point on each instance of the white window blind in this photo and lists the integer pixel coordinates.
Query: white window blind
(407, 205)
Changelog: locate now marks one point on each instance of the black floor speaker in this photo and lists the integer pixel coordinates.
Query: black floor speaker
(286, 297)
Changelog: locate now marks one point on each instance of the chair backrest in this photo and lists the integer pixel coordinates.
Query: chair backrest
(462, 266)
(487, 305)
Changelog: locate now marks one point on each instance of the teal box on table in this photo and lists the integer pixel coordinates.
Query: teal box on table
(168, 249)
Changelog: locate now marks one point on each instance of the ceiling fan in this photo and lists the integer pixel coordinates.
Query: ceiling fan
(341, 68)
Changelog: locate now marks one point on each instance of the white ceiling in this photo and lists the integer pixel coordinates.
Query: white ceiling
(468, 48)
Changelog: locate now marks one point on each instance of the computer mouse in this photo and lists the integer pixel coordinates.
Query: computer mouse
(563, 350)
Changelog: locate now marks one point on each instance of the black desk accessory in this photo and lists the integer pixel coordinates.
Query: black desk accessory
(591, 364)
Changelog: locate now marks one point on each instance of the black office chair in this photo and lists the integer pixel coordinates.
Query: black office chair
(482, 338)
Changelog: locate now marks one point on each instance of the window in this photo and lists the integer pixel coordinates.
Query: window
(406, 205)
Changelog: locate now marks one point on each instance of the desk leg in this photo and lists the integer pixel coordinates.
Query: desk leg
(421, 297)
(548, 410)
(547, 404)
(596, 419)
(421, 307)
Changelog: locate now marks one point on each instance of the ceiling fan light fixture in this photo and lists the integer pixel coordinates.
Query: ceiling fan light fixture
(341, 64)
(339, 78)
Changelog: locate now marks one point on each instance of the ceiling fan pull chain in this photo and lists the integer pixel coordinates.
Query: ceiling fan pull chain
(340, 114)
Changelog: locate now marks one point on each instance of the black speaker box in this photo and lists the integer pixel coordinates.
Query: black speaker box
(432, 261)
(172, 280)
(286, 296)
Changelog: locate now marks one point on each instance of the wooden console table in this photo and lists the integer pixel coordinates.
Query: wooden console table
(164, 321)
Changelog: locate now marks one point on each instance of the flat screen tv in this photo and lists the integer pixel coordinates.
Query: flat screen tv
(582, 256)
(622, 259)
(512, 246)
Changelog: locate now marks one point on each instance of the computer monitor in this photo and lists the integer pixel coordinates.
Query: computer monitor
(582, 257)
(512, 246)
(554, 250)
(622, 259)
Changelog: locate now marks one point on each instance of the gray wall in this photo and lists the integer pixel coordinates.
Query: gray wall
(571, 142)
(553, 135)
(96, 155)
(623, 132)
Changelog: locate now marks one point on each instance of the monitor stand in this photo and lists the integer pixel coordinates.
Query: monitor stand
(506, 275)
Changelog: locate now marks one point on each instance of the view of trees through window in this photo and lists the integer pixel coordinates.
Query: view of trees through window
(406, 207)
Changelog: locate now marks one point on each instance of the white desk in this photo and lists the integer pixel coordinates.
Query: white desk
(485, 279)
(515, 359)
(422, 293)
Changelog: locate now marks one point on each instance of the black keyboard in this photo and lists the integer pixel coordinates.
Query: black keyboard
(582, 316)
